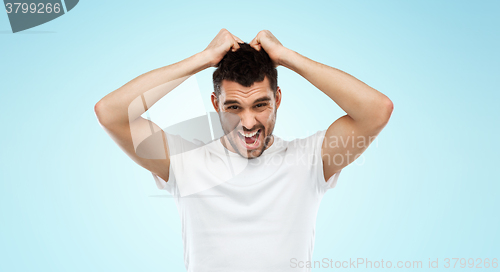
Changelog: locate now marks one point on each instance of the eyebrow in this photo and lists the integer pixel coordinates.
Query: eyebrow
(227, 102)
(262, 99)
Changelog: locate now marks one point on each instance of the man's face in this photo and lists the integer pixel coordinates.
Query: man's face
(247, 115)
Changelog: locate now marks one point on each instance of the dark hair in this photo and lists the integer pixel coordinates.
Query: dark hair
(245, 66)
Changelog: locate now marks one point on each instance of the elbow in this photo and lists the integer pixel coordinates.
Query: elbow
(388, 108)
(385, 111)
(99, 110)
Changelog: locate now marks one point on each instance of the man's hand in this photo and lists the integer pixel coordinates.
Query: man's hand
(220, 45)
(368, 110)
(119, 112)
(265, 39)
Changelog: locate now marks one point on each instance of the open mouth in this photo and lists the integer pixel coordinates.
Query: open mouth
(250, 140)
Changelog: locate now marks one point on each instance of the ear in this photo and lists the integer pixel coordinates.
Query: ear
(278, 97)
(215, 102)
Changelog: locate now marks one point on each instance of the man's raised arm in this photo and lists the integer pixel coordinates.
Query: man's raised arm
(368, 110)
(119, 112)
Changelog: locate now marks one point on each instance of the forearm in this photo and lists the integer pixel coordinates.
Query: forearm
(361, 102)
(134, 98)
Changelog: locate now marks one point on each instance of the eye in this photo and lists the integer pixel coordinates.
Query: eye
(232, 107)
(260, 105)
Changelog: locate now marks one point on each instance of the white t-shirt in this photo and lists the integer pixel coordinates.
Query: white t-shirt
(241, 215)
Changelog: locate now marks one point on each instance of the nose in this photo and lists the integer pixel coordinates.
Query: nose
(248, 119)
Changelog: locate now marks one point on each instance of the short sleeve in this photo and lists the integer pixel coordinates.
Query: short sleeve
(176, 145)
(162, 184)
(317, 142)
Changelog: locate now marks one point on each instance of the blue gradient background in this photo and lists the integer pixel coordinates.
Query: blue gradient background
(71, 200)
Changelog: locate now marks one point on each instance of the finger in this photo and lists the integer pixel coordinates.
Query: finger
(254, 41)
(255, 44)
(235, 46)
(238, 39)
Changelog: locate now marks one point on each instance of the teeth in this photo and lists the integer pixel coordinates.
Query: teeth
(249, 134)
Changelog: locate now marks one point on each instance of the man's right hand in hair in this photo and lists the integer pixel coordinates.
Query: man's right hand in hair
(119, 112)
(220, 45)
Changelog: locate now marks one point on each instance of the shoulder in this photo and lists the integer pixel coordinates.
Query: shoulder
(309, 143)
(178, 144)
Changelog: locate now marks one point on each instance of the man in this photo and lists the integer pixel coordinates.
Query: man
(248, 200)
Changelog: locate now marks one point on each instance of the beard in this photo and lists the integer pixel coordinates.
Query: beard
(231, 136)
(254, 153)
